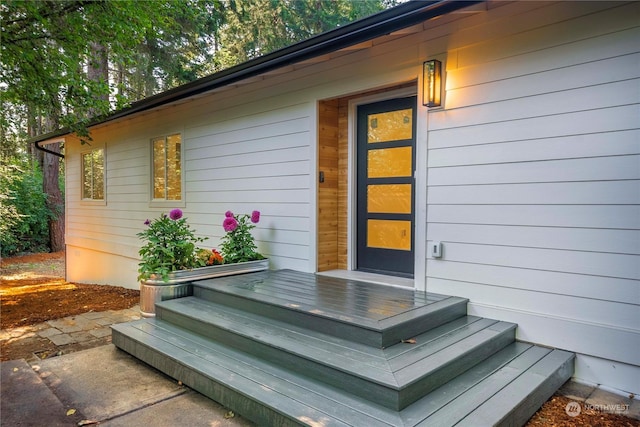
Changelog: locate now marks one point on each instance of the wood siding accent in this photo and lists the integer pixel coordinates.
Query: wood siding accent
(328, 206)
(343, 184)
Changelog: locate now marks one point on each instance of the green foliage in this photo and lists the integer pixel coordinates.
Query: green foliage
(23, 212)
(71, 62)
(49, 48)
(257, 27)
(238, 244)
(170, 246)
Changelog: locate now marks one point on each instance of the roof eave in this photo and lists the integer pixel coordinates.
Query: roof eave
(385, 22)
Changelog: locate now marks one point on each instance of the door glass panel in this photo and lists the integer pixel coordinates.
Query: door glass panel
(389, 162)
(389, 234)
(390, 126)
(389, 198)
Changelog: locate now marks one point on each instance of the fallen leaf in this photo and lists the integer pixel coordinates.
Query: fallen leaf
(71, 412)
(410, 341)
(16, 369)
(229, 414)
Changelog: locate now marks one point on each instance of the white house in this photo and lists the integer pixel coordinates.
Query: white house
(527, 174)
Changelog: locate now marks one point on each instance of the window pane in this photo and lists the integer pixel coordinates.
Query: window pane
(389, 234)
(159, 156)
(389, 198)
(390, 126)
(93, 175)
(174, 172)
(86, 176)
(98, 174)
(389, 162)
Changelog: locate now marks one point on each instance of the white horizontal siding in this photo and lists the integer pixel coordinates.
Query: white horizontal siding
(553, 193)
(534, 176)
(541, 104)
(567, 261)
(591, 121)
(587, 169)
(610, 314)
(623, 142)
(553, 80)
(543, 281)
(584, 216)
(564, 238)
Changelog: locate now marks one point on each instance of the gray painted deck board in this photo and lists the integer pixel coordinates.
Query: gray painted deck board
(281, 390)
(449, 392)
(418, 369)
(513, 404)
(374, 313)
(346, 299)
(455, 411)
(288, 348)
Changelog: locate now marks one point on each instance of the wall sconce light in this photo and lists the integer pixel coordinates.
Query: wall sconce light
(432, 83)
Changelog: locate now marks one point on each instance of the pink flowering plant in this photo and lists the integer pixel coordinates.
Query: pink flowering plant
(238, 244)
(170, 245)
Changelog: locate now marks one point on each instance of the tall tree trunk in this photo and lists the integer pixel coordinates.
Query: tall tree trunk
(55, 201)
(98, 71)
(50, 166)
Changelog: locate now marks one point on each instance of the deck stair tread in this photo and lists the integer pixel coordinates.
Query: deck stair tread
(436, 356)
(295, 291)
(320, 301)
(293, 397)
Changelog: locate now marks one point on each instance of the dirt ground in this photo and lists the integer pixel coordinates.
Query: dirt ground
(32, 291)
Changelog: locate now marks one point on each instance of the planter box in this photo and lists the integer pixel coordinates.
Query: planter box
(179, 284)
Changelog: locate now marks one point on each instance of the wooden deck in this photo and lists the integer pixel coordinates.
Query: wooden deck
(364, 312)
(290, 348)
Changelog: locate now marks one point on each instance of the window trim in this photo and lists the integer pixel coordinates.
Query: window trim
(164, 203)
(91, 201)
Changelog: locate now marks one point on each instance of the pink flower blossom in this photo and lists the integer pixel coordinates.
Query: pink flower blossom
(229, 224)
(228, 214)
(147, 222)
(255, 217)
(175, 214)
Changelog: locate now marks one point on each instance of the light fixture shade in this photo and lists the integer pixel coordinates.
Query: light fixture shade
(432, 83)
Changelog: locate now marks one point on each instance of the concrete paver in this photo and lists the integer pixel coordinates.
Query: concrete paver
(19, 379)
(102, 385)
(105, 382)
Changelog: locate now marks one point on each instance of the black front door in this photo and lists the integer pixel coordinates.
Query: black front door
(386, 186)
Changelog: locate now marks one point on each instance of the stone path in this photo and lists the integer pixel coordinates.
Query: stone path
(69, 334)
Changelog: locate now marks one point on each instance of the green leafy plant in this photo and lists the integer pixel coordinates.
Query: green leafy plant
(238, 244)
(23, 210)
(171, 245)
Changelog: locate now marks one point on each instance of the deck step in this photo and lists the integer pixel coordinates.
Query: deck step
(368, 313)
(520, 374)
(393, 377)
